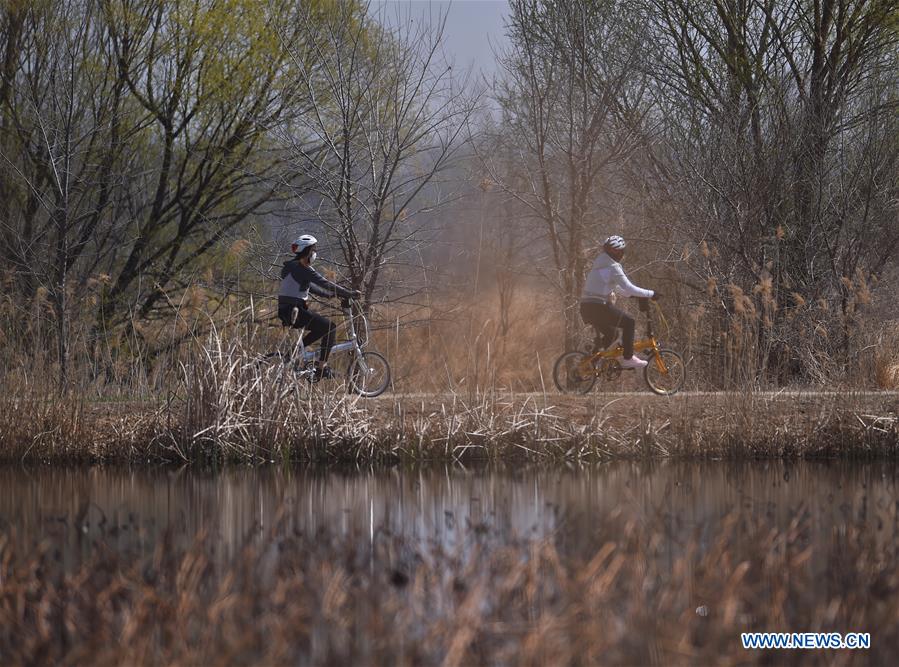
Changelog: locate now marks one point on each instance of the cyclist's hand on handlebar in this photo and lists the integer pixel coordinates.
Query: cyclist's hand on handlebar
(345, 301)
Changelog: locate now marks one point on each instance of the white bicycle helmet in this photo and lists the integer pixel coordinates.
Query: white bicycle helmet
(614, 242)
(302, 243)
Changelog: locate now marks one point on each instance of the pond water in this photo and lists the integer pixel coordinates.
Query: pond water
(130, 509)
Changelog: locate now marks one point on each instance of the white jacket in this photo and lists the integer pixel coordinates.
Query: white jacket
(607, 276)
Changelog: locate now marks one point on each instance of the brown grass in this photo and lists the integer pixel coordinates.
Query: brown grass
(886, 356)
(292, 598)
(733, 337)
(224, 408)
(476, 346)
(209, 401)
(888, 375)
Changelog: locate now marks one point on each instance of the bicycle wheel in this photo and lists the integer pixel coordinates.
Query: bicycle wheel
(672, 379)
(567, 376)
(369, 374)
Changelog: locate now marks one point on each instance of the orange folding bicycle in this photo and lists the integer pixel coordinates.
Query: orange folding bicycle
(577, 372)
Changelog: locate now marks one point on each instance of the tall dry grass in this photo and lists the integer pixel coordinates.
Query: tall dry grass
(884, 365)
(763, 336)
(750, 337)
(293, 598)
(203, 398)
(224, 407)
(484, 344)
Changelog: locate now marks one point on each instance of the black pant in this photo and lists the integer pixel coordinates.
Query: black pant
(300, 317)
(606, 319)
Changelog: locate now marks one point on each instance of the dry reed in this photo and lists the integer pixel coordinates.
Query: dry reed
(294, 598)
(213, 402)
(225, 409)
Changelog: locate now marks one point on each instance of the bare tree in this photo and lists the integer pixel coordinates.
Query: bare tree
(59, 147)
(211, 80)
(778, 153)
(135, 138)
(569, 100)
(386, 122)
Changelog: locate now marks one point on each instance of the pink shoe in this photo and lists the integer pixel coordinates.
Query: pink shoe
(633, 362)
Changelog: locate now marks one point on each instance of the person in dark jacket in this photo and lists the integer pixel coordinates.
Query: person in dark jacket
(298, 280)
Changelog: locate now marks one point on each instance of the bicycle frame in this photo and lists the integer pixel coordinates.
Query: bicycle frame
(589, 364)
(351, 344)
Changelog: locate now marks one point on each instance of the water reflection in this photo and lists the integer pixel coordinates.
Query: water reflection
(130, 509)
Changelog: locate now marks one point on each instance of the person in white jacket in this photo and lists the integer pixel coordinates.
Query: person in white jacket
(607, 276)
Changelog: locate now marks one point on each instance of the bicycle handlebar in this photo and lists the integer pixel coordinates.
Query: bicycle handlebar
(644, 306)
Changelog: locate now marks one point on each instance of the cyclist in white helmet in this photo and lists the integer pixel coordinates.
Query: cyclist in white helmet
(607, 276)
(298, 279)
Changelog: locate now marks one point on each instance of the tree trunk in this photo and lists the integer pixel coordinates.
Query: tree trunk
(60, 300)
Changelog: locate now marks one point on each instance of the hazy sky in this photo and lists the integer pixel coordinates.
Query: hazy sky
(474, 28)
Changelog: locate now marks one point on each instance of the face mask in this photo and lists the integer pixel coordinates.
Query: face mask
(312, 256)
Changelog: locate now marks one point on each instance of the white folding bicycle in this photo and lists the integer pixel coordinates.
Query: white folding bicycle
(366, 372)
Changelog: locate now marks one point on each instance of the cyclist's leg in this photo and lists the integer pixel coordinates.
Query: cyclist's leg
(612, 317)
(593, 314)
(289, 314)
(320, 328)
(294, 317)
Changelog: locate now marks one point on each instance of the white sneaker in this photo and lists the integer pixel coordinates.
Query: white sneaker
(633, 362)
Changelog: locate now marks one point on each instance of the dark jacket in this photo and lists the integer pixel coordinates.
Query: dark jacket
(297, 281)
